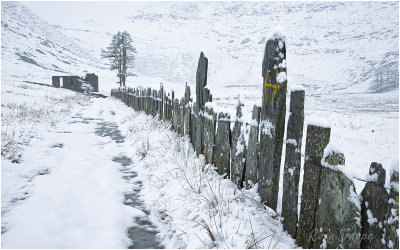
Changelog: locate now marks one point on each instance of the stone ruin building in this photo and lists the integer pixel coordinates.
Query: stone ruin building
(90, 83)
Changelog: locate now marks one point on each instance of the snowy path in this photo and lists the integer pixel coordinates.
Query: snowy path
(74, 189)
(110, 177)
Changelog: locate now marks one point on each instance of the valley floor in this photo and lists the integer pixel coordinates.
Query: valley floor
(109, 177)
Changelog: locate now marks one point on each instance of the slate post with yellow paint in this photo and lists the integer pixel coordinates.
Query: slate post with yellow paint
(272, 123)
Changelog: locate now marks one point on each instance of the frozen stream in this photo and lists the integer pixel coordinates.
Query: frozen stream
(75, 189)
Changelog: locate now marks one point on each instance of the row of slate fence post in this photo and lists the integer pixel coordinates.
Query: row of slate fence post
(331, 214)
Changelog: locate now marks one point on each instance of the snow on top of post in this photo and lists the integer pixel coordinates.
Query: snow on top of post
(217, 108)
(329, 150)
(371, 178)
(277, 33)
(297, 87)
(318, 121)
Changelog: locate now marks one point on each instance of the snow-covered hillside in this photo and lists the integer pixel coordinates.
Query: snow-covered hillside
(331, 46)
(34, 50)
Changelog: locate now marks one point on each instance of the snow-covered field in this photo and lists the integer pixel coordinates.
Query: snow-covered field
(335, 50)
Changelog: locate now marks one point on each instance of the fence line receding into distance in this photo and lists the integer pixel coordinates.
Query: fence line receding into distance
(331, 213)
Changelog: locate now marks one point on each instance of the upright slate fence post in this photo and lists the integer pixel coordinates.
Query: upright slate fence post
(137, 94)
(338, 215)
(317, 140)
(187, 112)
(238, 149)
(222, 156)
(175, 114)
(193, 123)
(148, 101)
(140, 99)
(374, 207)
(155, 103)
(291, 173)
(392, 214)
(273, 111)
(201, 82)
(209, 134)
(199, 133)
(180, 117)
(161, 102)
(165, 106)
(144, 97)
(253, 148)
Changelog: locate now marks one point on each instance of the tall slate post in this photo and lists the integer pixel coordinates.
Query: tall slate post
(201, 79)
(144, 98)
(253, 148)
(175, 114)
(169, 103)
(316, 142)
(222, 156)
(148, 101)
(273, 111)
(291, 173)
(140, 99)
(374, 207)
(392, 214)
(180, 117)
(171, 107)
(161, 102)
(338, 216)
(193, 124)
(238, 149)
(130, 98)
(187, 115)
(165, 106)
(199, 146)
(153, 103)
(201, 82)
(209, 134)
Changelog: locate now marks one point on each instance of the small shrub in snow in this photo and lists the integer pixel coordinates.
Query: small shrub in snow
(26, 109)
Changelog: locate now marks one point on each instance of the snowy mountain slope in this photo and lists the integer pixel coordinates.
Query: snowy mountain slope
(344, 44)
(33, 50)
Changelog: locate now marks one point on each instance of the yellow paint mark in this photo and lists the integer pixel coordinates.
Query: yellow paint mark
(274, 86)
(265, 87)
